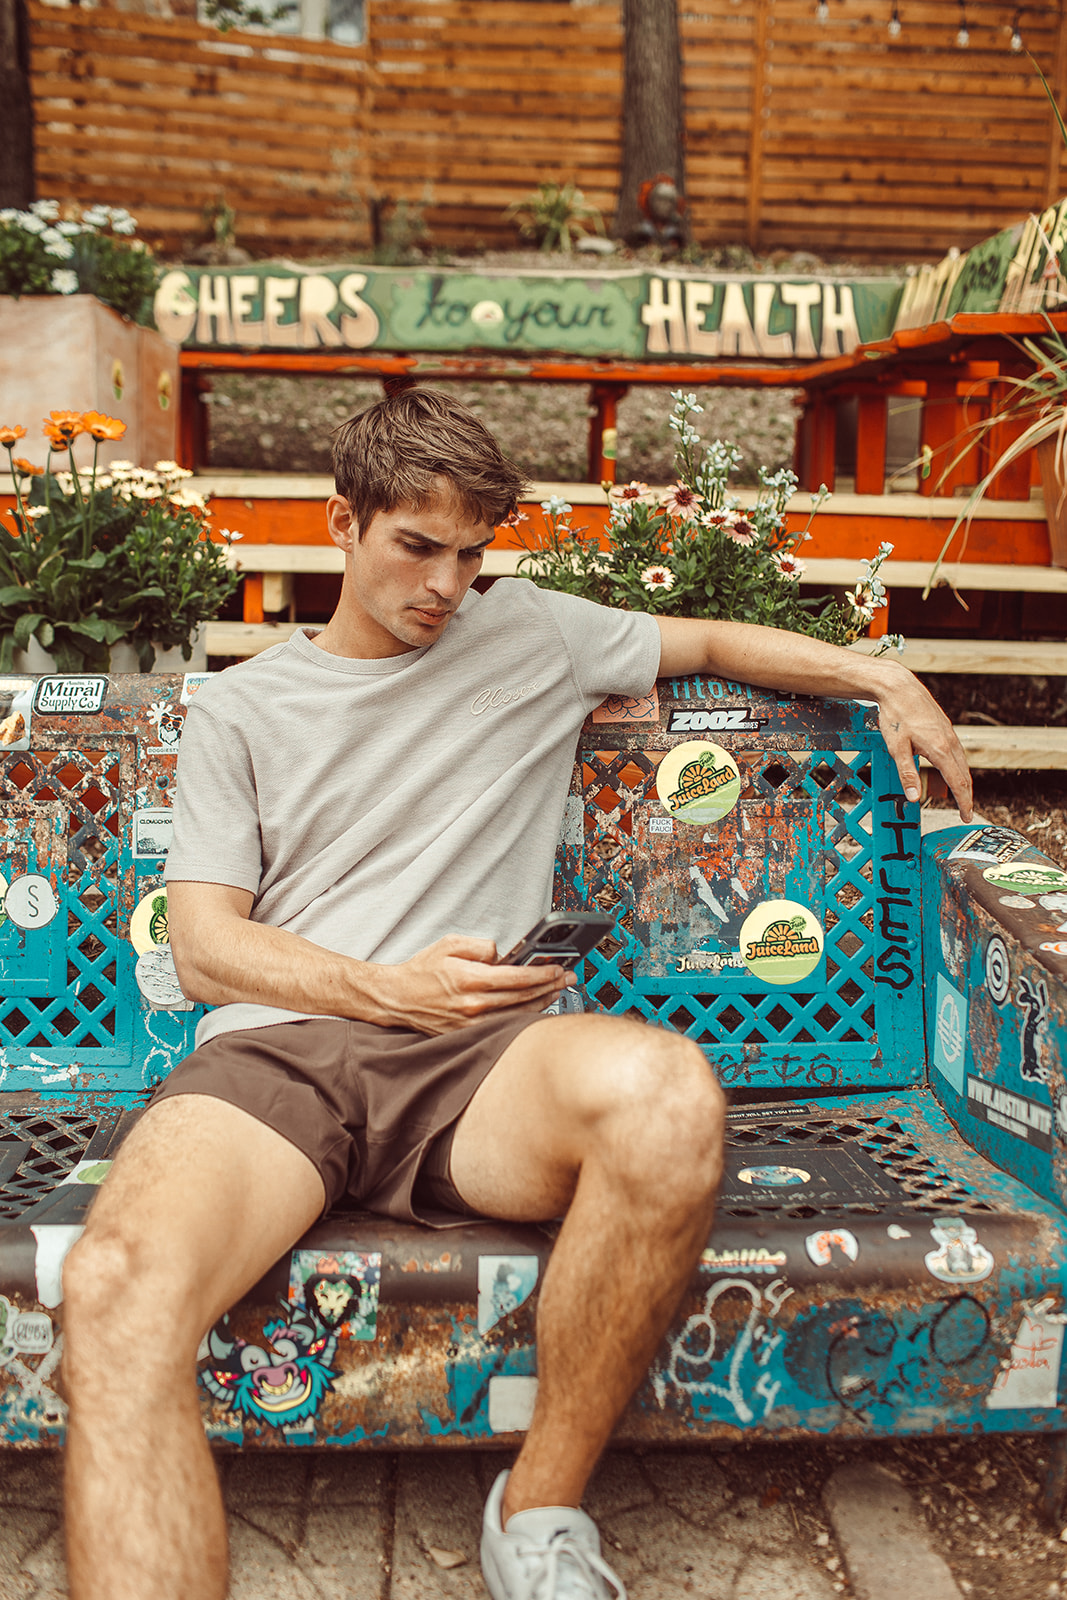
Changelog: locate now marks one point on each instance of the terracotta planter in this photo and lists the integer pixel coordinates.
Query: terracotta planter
(73, 353)
(1055, 492)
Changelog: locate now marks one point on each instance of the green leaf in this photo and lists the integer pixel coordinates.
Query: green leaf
(25, 626)
(12, 594)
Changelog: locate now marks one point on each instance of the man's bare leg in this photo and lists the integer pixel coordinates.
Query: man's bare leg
(621, 1126)
(202, 1200)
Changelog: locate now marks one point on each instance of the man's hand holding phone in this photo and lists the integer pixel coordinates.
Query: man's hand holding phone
(457, 980)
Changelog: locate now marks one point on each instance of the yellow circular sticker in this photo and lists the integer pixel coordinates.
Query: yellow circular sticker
(781, 942)
(698, 782)
(148, 925)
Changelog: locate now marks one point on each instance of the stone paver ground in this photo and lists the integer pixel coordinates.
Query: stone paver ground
(744, 1524)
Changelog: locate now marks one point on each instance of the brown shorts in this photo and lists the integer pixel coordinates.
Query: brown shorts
(373, 1108)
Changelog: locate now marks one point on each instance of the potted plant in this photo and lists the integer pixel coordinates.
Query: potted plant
(76, 289)
(692, 552)
(100, 557)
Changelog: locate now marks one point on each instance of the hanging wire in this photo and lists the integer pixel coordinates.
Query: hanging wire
(895, 22)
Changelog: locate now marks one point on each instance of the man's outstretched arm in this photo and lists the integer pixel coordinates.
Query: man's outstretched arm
(912, 722)
(222, 957)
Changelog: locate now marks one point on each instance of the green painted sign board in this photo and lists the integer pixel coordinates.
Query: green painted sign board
(631, 315)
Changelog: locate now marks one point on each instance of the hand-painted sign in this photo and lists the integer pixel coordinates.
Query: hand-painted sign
(631, 315)
(1020, 270)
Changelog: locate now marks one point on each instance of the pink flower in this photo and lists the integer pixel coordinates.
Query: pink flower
(789, 567)
(681, 501)
(742, 532)
(627, 491)
(655, 578)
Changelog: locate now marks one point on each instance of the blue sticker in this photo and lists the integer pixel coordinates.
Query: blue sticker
(504, 1282)
(950, 1033)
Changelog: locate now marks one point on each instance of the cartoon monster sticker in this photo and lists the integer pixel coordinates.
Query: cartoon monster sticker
(280, 1382)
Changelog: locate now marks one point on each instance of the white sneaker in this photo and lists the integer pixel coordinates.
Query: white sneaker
(548, 1553)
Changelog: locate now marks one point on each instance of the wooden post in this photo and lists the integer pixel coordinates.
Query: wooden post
(871, 424)
(816, 439)
(1058, 84)
(192, 419)
(1014, 482)
(945, 428)
(252, 597)
(754, 203)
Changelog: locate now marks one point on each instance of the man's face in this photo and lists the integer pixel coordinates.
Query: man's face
(406, 577)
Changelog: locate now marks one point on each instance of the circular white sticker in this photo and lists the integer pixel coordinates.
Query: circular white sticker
(158, 980)
(31, 901)
(997, 970)
(781, 942)
(1027, 877)
(774, 1177)
(698, 782)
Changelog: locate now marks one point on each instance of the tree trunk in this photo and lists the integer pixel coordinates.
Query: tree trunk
(653, 133)
(16, 106)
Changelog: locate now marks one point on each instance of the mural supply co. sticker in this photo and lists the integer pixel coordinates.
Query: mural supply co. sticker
(832, 1247)
(1017, 1114)
(153, 833)
(959, 1258)
(157, 979)
(781, 942)
(698, 783)
(16, 713)
(950, 1033)
(995, 845)
(1027, 877)
(148, 925)
(770, 1262)
(504, 1283)
(31, 902)
(83, 696)
(997, 970)
(771, 1177)
(339, 1288)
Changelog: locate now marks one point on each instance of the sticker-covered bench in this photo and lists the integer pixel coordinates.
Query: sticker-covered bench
(889, 1018)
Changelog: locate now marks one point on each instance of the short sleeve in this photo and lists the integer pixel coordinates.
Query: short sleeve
(612, 652)
(216, 814)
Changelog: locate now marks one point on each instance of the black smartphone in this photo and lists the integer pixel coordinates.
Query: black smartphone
(561, 938)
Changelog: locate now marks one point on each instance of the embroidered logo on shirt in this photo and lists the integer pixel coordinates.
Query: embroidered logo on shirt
(491, 699)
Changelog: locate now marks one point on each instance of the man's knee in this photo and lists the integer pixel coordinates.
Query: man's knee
(669, 1112)
(118, 1295)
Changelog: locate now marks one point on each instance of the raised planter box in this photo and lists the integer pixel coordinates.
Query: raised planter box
(73, 353)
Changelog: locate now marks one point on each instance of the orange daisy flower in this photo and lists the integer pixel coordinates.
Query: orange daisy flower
(101, 427)
(8, 436)
(22, 465)
(63, 427)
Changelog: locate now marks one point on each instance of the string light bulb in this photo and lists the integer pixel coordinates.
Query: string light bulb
(963, 36)
(1016, 36)
(894, 23)
(822, 11)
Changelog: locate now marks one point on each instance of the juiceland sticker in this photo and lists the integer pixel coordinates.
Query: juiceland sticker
(781, 942)
(148, 925)
(82, 696)
(698, 783)
(1027, 877)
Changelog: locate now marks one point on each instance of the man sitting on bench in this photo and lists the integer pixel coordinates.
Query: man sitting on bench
(365, 816)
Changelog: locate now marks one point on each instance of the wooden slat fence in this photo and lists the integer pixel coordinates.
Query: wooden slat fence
(831, 137)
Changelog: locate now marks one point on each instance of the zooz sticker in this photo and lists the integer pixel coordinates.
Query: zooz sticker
(698, 783)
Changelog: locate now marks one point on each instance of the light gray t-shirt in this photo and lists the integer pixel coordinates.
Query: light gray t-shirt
(375, 806)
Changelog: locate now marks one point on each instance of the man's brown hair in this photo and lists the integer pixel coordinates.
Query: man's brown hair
(394, 453)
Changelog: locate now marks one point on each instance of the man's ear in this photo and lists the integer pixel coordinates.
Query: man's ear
(341, 522)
